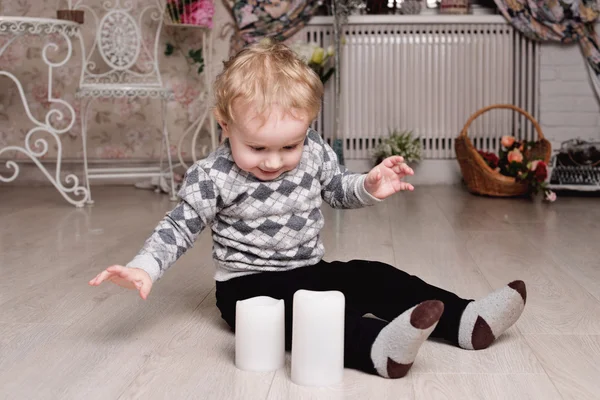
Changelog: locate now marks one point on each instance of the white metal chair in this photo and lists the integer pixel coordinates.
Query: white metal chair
(114, 68)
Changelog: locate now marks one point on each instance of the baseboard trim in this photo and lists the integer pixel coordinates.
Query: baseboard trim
(31, 175)
(427, 172)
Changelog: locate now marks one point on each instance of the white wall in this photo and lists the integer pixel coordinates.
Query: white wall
(569, 107)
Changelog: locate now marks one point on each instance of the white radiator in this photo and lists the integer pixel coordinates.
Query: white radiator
(429, 77)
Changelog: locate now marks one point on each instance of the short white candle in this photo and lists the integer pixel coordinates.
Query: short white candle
(318, 338)
(260, 334)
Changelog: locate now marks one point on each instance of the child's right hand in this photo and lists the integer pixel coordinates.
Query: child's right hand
(129, 278)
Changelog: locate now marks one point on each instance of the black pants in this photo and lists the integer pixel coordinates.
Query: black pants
(368, 286)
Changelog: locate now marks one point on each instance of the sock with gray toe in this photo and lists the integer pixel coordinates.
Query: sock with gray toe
(484, 320)
(395, 348)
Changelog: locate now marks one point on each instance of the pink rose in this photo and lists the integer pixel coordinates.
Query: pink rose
(550, 196)
(185, 93)
(112, 152)
(533, 165)
(40, 94)
(13, 55)
(246, 16)
(277, 8)
(199, 13)
(515, 156)
(507, 141)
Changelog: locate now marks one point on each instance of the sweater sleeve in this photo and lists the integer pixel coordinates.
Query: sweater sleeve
(179, 229)
(340, 188)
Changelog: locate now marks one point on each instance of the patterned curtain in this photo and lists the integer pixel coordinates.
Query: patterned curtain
(276, 19)
(564, 21)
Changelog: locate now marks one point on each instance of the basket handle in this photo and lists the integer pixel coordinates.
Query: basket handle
(537, 126)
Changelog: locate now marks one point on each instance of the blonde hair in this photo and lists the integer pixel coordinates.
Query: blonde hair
(265, 74)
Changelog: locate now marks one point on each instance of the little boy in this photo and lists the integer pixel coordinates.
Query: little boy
(261, 192)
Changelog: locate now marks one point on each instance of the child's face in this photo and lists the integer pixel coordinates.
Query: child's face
(266, 146)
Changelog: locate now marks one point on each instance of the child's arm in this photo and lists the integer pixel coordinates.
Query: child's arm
(180, 227)
(344, 189)
(174, 235)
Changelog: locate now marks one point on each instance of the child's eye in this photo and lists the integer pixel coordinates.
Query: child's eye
(290, 147)
(257, 148)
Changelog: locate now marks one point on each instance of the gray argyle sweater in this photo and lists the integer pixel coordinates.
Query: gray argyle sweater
(256, 225)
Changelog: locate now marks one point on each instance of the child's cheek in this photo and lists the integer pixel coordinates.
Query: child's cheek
(294, 159)
(245, 159)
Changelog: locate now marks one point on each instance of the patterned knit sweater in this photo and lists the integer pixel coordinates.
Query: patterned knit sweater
(256, 225)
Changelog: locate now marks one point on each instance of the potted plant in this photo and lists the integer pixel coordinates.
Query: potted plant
(399, 143)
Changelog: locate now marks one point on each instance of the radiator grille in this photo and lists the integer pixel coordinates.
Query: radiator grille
(429, 78)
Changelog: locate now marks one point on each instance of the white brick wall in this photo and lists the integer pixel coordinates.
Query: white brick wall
(569, 107)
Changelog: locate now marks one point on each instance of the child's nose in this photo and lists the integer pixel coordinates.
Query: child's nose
(273, 162)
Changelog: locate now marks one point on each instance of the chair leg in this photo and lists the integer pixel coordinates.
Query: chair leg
(84, 106)
(162, 149)
(167, 146)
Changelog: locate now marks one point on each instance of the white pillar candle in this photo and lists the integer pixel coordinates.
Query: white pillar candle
(260, 334)
(318, 338)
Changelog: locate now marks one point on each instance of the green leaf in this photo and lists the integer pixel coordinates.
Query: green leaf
(196, 55)
(399, 143)
(327, 75)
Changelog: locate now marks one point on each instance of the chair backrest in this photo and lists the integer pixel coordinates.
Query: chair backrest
(125, 39)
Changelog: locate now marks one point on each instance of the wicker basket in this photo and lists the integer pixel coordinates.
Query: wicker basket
(478, 176)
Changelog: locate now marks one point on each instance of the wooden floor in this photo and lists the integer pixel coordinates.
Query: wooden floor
(61, 339)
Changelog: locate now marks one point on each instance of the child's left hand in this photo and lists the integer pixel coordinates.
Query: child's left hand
(386, 178)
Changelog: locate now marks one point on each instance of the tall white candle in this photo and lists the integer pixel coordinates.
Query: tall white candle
(318, 338)
(260, 334)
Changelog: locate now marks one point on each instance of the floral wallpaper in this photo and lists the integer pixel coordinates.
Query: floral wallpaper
(117, 128)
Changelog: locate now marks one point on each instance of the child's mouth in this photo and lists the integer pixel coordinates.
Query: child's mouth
(269, 173)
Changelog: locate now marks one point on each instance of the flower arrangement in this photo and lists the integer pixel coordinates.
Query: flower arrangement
(191, 12)
(513, 161)
(399, 144)
(317, 58)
